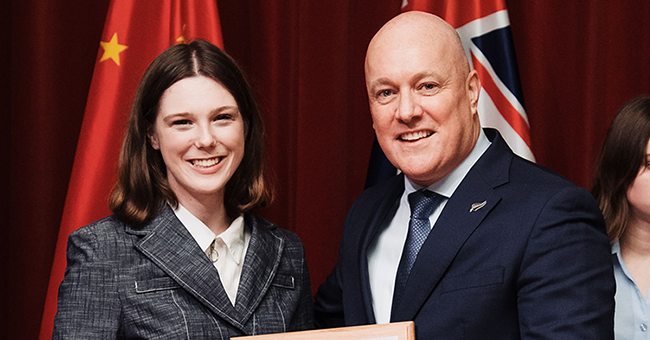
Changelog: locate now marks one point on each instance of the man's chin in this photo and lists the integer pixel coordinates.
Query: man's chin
(420, 177)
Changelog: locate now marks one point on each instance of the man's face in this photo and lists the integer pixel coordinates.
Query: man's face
(423, 105)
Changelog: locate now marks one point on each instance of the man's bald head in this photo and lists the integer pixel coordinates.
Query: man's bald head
(416, 28)
(423, 96)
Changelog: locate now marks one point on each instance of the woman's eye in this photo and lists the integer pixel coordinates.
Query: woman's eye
(223, 116)
(182, 122)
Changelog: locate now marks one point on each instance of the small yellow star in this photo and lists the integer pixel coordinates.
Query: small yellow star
(182, 39)
(112, 50)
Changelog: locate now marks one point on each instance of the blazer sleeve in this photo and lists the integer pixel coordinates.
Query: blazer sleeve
(566, 285)
(88, 303)
(304, 317)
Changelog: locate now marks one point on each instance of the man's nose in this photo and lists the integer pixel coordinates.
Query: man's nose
(408, 108)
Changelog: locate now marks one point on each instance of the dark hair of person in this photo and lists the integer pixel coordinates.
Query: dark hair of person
(142, 188)
(622, 155)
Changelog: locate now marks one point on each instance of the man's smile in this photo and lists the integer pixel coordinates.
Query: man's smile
(413, 136)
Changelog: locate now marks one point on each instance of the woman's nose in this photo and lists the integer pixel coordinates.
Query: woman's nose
(205, 138)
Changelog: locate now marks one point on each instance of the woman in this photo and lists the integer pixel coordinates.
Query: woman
(182, 256)
(622, 188)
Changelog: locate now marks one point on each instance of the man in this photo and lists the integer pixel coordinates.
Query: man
(510, 250)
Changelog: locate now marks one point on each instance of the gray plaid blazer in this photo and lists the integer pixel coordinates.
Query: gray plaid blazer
(156, 283)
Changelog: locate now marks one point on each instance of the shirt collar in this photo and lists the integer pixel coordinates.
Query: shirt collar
(616, 252)
(234, 239)
(616, 248)
(448, 184)
(233, 236)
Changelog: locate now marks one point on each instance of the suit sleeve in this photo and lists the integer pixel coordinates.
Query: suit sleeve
(328, 308)
(566, 285)
(88, 303)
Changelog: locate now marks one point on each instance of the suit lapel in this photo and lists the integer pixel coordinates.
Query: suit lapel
(170, 246)
(454, 226)
(472, 201)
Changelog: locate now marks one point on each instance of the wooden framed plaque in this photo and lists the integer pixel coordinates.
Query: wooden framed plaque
(389, 331)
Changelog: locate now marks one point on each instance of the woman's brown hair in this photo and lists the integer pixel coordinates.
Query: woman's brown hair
(142, 188)
(622, 155)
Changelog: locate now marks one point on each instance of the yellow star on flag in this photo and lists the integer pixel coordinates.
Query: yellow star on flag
(182, 39)
(112, 50)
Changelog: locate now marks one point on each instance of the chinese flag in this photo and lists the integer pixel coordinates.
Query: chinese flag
(136, 31)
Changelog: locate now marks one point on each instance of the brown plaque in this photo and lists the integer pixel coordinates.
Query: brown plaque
(389, 331)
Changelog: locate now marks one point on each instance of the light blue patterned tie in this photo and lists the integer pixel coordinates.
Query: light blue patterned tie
(423, 203)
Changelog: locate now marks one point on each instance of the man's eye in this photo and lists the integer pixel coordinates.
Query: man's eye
(385, 93)
(428, 86)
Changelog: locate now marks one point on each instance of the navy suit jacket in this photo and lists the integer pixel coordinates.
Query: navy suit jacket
(532, 263)
(156, 283)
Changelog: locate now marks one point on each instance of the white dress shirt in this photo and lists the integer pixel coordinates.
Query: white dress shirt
(230, 245)
(385, 251)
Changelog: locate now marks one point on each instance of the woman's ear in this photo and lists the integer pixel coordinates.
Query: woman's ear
(154, 142)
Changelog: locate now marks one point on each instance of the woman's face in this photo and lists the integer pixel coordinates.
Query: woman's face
(638, 194)
(200, 134)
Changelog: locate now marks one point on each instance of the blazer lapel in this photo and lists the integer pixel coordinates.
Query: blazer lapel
(260, 266)
(466, 209)
(170, 246)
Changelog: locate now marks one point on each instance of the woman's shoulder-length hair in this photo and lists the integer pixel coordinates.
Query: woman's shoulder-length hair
(622, 155)
(142, 188)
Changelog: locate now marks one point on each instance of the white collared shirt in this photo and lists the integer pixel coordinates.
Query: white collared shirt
(231, 245)
(385, 250)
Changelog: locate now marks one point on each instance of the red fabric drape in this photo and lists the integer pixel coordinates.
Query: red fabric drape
(578, 62)
(52, 46)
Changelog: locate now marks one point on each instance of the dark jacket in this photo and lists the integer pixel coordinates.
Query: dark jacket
(532, 263)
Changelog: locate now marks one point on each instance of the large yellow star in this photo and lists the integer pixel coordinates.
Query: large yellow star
(112, 50)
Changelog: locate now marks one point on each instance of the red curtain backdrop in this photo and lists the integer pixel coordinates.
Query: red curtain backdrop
(578, 62)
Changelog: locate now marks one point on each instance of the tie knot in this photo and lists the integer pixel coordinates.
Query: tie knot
(423, 203)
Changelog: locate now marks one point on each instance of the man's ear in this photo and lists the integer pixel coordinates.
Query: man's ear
(473, 88)
(154, 142)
